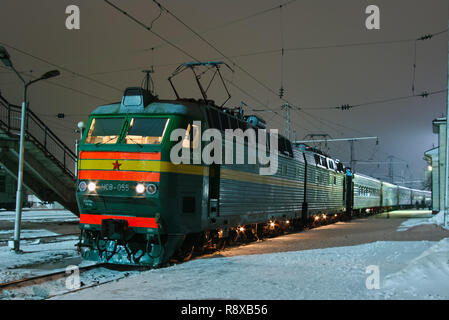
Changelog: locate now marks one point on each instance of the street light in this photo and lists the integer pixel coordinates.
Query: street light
(5, 58)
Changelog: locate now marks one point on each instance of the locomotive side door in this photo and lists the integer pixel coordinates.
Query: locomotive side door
(214, 191)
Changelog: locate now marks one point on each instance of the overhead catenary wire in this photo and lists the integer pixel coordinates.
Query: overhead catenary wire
(346, 107)
(343, 107)
(180, 49)
(241, 19)
(220, 52)
(65, 87)
(422, 38)
(271, 51)
(74, 73)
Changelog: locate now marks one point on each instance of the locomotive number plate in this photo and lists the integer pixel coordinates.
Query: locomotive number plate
(122, 187)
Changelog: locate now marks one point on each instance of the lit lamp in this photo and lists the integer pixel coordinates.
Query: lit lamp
(6, 60)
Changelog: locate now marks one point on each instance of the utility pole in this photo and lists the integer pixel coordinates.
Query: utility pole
(351, 161)
(390, 169)
(5, 58)
(287, 119)
(287, 123)
(446, 160)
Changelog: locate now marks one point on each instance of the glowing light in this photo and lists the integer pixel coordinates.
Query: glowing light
(317, 218)
(140, 188)
(429, 168)
(91, 186)
(272, 224)
(324, 216)
(287, 222)
(241, 229)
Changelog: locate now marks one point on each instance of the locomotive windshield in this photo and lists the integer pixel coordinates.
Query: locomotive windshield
(146, 130)
(104, 130)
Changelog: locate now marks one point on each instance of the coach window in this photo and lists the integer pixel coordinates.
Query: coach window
(104, 130)
(324, 162)
(268, 142)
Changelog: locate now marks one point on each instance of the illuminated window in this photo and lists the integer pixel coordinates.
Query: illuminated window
(191, 139)
(146, 130)
(104, 130)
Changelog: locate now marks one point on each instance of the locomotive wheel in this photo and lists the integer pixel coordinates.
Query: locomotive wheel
(185, 252)
(221, 243)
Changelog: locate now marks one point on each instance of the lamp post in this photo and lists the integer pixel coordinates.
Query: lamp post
(5, 58)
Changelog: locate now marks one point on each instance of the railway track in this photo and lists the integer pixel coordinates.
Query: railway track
(16, 286)
(36, 280)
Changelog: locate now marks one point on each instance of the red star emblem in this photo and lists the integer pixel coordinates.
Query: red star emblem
(116, 165)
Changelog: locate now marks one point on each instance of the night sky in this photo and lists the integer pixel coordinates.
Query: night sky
(111, 50)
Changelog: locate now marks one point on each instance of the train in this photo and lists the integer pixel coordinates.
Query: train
(139, 208)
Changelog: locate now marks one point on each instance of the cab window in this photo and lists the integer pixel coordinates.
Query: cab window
(104, 130)
(146, 130)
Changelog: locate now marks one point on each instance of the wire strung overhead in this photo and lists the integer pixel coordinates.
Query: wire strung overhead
(422, 38)
(218, 51)
(234, 21)
(190, 55)
(30, 75)
(61, 67)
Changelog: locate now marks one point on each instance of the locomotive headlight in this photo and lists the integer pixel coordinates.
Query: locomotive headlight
(82, 186)
(91, 186)
(151, 188)
(140, 188)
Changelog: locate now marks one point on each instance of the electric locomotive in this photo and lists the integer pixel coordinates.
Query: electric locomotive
(138, 207)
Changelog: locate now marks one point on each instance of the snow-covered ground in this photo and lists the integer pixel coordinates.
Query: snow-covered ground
(437, 219)
(42, 215)
(378, 270)
(407, 270)
(37, 259)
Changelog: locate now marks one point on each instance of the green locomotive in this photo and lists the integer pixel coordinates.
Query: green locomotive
(138, 207)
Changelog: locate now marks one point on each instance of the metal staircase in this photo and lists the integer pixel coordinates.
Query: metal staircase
(49, 165)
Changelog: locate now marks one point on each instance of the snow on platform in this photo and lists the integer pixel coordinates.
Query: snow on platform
(408, 270)
(411, 223)
(37, 259)
(46, 215)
